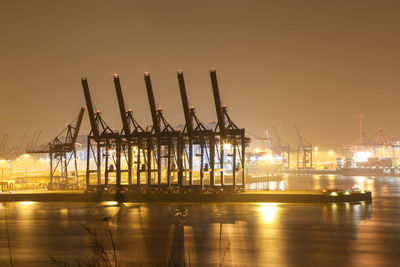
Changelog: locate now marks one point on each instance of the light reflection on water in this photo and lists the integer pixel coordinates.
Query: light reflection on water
(26, 203)
(247, 234)
(319, 182)
(268, 211)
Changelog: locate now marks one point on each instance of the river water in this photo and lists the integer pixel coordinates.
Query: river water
(250, 234)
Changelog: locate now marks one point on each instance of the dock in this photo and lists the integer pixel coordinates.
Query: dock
(248, 196)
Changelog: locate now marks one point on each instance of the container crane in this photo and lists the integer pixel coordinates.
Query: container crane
(102, 142)
(166, 144)
(281, 148)
(198, 142)
(61, 151)
(304, 151)
(230, 141)
(135, 140)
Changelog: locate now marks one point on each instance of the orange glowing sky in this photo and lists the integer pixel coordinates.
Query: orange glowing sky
(319, 63)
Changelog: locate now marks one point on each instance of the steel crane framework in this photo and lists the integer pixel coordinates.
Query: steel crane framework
(162, 157)
(304, 152)
(62, 154)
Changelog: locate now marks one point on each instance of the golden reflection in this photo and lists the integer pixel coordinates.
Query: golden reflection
(360, 181)
(190, 245)
(268, 211)
(64, 211)
(27, 203)
(110, 203)
(370, 183)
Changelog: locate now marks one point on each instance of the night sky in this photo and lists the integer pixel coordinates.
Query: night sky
(319, 63)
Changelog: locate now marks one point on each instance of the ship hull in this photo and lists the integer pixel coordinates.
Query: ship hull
(385, 171)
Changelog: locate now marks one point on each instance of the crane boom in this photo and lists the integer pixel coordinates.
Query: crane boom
(185, 102)
(152, 103)
(89, 105)
(121, 104)
(217, 100)
(37, 139)
(78, 126)
(4, 142)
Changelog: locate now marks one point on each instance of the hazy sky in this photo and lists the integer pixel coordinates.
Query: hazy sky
(319, 63)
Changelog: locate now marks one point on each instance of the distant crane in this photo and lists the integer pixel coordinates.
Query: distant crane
(381, 144)
(61, 151)
(35, 140)
(280, 147)
(3, 143)
(30, 145)
(304, 151)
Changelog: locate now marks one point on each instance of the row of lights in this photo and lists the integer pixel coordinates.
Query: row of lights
(346, 193)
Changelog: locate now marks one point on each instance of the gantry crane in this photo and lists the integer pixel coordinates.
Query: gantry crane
(162, 157)
(35, 139)
(103, 148)
(61, 151)
(198, 153)
(135, 143)
(281, 148)
(165, 145)
(230, 142)
(304, 151)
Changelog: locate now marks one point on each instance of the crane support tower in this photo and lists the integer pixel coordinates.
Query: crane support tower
(230, 144)
(103, 161)
(198, 149)
(164, 147)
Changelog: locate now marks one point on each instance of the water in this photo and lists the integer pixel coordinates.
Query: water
(252, 234)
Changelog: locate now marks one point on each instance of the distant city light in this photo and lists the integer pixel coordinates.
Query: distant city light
(227, 146)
